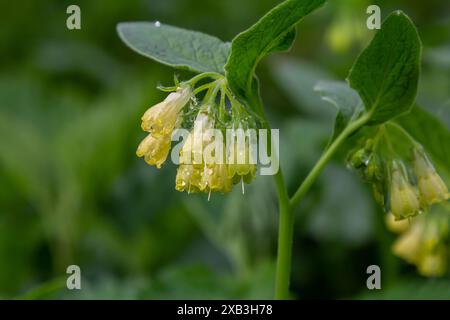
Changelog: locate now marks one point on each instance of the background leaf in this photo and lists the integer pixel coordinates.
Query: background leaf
(273, 32)
(344, 98)
(413, 289)
(175, 47)
(386, 73)
(430, 132)
(297, 78)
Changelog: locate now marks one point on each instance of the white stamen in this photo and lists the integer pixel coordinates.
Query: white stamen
(157, 24)
(243, 188)
(209, 194)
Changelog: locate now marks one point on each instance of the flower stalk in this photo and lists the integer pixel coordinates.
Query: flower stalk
(287, 204)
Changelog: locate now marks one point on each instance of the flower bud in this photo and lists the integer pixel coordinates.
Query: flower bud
(372, 171)
(358, 159)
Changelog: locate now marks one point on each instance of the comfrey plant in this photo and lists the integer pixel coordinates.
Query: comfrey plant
(219, 106)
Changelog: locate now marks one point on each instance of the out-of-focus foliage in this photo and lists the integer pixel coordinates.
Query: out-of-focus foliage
(73, 192)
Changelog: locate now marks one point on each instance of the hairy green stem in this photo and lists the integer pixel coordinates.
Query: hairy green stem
(325, 158)
(285, 224)
(285, 240)
(201, 76)
(286, 219)
(286, 205)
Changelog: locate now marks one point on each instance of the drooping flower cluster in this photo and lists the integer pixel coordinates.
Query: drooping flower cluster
(423, 242)
(206, 169)
(217, 152)
(195, 174)
(404, 182)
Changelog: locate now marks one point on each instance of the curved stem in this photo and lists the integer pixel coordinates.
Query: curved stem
(204, 87)
(213, 75)
(286, 222)
(286, 205)
(325, 158)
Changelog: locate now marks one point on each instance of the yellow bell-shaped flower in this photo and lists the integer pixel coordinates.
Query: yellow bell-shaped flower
(162, 118)
(188, 178)
(198, 138)
(409, 245)
(423, 244)
(154, 149)
(431, 186)
(215, 178)
(433, 264)
(404, 201)
(397, 226)
(241, 164)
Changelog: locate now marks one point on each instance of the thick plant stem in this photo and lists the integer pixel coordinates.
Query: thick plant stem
(285, 239)
(286, 205)
(286, 219)
(285, 225)
(325, 158)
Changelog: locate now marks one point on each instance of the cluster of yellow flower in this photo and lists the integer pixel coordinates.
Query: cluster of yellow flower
(422, 242)
(406, 199)
(403, 187)
(194, 173)
(220, 175)
(406, 183)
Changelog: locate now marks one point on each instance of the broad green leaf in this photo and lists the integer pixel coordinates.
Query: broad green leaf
(386, 73)
(285, 42)
(431, 133)
(175, 47)
(297, 79)
(346, 100)
(273, 32)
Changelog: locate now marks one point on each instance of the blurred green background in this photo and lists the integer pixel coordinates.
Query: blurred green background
(72, 190)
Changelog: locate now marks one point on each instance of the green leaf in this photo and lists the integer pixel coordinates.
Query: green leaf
(431, 133)
(386, 73)
(273, 32)
(297, 79)
(346, 101)
(175, 47)
(285, 42)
